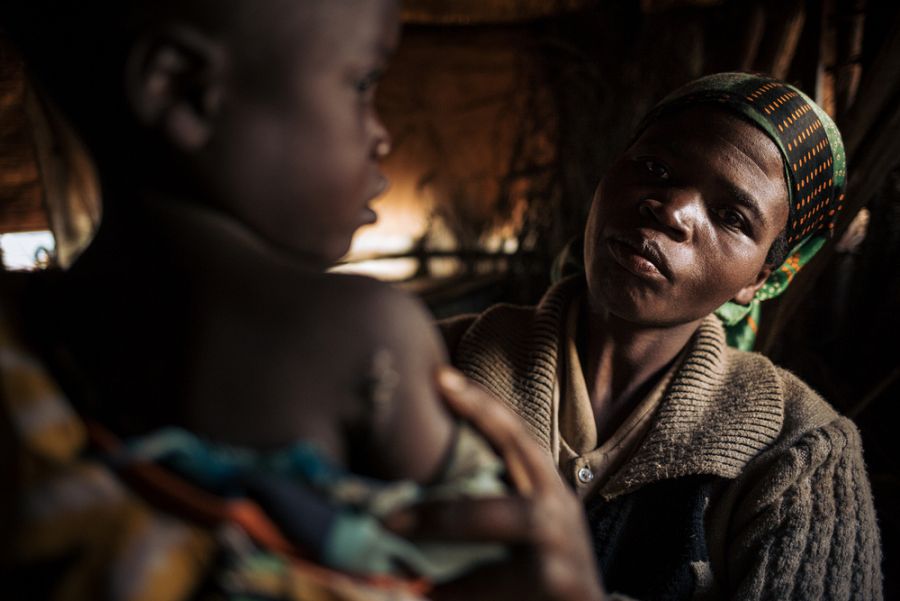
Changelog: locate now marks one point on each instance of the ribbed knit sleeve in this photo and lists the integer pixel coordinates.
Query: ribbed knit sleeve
(806, 529)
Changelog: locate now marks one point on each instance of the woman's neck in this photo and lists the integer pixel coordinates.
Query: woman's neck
(624, 361)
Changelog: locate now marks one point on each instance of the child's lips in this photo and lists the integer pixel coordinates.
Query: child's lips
(381, 185)
(368, 216)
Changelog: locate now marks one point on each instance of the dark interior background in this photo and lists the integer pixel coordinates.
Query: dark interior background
(506, 113)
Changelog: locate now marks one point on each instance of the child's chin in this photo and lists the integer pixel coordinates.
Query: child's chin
(328, 255)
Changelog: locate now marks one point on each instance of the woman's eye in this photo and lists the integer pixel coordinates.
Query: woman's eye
(656, 168)
(731, 218)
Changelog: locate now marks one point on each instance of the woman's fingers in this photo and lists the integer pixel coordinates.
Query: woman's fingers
(497, 582)
(550, 558)
(529, 467)
(544, 526)
(529, 574)
(505, 520)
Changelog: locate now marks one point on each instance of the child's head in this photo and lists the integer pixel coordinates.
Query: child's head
(260, 108)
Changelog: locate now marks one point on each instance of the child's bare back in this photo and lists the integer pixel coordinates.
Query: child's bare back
(344, 362)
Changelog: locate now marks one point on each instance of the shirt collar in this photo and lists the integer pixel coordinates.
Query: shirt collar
(714, 419)
(579, 444)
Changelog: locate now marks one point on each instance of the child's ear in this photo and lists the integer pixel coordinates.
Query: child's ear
(174, 80)
(745, 294)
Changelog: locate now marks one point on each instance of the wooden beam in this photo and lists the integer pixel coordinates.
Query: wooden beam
(752, 33)
(850, 26)
(825, 94)
(475, 12)
(783, 29)
(840, 69)
(21, 207)
(658, 6)
(878, 87)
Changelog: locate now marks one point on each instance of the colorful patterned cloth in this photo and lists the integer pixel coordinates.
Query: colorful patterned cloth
(814, 164)
(327, 510)
(100, 519)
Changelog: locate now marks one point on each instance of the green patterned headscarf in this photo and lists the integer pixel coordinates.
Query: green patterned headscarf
(814, 164)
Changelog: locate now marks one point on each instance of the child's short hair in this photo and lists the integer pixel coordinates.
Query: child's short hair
(76, 50)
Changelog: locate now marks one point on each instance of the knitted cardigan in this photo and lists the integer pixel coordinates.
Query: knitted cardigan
(776, 500)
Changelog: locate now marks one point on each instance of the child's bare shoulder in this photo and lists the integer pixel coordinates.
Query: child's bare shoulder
(345, 361)
(396, 349)
(343, 324)
(374, 312)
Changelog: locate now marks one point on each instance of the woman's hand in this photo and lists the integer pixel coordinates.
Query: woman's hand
(544, 525)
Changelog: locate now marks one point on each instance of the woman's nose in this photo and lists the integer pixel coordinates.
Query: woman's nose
(672, 209)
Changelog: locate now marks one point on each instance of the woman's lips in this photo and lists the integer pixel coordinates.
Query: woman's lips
(627, 256)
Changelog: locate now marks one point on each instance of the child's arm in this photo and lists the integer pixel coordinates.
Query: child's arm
(405, 432)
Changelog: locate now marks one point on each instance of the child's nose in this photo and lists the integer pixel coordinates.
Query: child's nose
(382, 146)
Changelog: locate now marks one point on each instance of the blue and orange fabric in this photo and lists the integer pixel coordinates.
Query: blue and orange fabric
(812, 152)
(325, 509)
(87, 529)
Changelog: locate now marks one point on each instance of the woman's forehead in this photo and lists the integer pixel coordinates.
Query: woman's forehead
(711, 126)
(715, 142)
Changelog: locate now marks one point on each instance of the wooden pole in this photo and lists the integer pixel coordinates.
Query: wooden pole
(871, 132)
(752, 35)
(868, 169)
(851, 15)
(877, 89)
(785, 24)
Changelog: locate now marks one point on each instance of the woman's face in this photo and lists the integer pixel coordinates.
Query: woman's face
(683, 220)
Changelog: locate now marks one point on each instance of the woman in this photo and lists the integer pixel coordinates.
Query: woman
(704, 471)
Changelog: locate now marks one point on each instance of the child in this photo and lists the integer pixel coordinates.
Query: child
(237, 146)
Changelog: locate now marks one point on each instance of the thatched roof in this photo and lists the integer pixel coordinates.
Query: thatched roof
(441, 12)
(21, 206)
(473, 12)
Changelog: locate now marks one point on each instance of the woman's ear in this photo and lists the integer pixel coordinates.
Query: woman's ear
(745, 294)
(175, 80)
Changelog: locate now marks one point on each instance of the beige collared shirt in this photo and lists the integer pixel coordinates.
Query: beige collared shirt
(584, 463)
